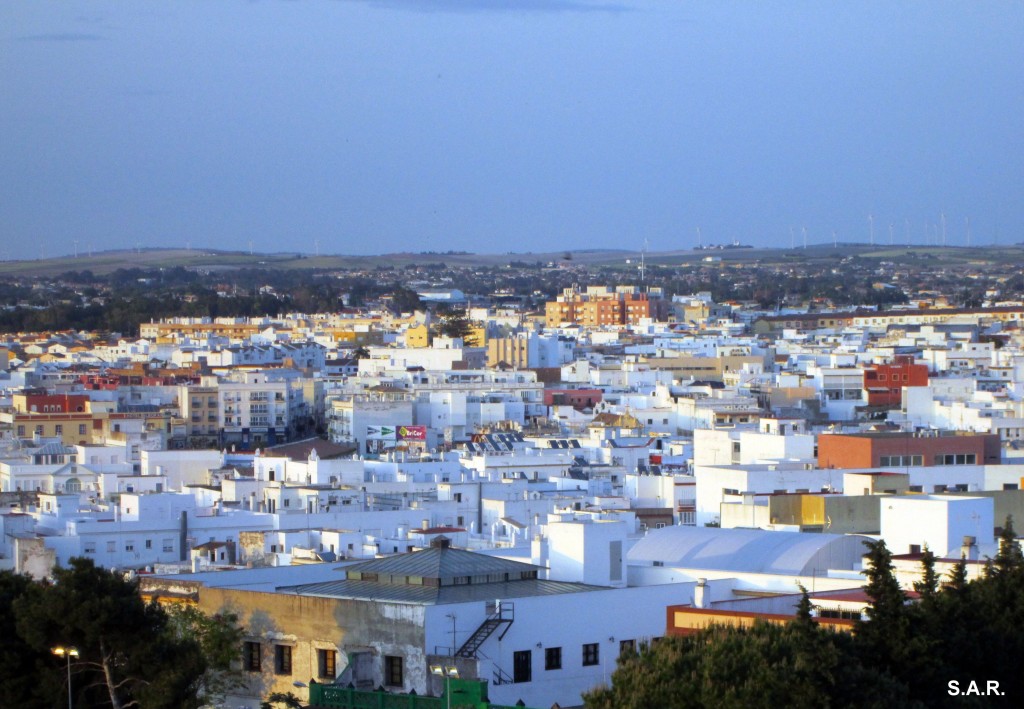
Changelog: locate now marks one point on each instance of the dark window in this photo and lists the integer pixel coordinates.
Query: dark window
(326, 662)
(552, 658)
(251, 656)
(283, 659)
(393, 670)
(627, 647)
(591, 654)
(522, 666)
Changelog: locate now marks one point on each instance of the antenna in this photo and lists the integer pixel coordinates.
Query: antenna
(967, 225)
(250, 247)
(942, 218)
(804, 229)
(871, 223)
(700, 239)
(316, 246)
(890, 233)
(792, 237)
(835, 240)
(643, 257)
(76, 249)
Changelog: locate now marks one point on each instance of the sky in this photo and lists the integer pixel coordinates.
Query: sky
(494, 126)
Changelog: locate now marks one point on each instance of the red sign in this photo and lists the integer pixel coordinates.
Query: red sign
(412, 433)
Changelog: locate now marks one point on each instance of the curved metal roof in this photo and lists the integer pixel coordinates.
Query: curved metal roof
(749, 550)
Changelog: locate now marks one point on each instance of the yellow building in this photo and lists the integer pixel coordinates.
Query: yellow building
(418, 336)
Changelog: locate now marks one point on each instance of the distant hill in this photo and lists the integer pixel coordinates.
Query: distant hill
(104, 262)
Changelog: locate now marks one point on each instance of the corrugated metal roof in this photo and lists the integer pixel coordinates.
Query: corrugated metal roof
(441, 563)
(432, 595)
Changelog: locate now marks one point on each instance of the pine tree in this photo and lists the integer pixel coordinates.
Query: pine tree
(1009, 558)
(928, 586)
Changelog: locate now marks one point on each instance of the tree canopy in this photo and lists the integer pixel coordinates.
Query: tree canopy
(903, 654)
(130, 653)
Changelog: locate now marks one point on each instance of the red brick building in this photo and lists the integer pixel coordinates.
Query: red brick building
(579, 399)
(884, 382)
(887, 449)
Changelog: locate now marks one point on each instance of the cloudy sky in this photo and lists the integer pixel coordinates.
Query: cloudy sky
(495, 125)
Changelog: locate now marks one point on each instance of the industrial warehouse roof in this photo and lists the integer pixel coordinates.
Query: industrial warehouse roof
(436, 576)
(434, 595)
(749, 550)
(443, 564)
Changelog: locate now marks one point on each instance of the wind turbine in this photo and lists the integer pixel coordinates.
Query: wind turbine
(871, 228)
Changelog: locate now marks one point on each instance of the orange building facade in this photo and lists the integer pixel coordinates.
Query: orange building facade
(886, 449)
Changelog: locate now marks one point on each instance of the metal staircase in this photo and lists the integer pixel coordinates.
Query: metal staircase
(500, 617)
(501, 677)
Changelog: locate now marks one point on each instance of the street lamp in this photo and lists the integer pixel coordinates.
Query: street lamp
(447, 672)
(67, 652)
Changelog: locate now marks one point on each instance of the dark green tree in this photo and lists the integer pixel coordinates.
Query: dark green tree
(457, 324)
(129, 652)
(1008, 558)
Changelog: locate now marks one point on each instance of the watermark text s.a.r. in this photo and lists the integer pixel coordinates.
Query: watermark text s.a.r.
(974, 689)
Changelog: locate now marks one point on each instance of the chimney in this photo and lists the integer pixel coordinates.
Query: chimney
(969, 548)
(702, 594)
(539, 551)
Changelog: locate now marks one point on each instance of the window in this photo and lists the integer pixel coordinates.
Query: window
(956, 459)
(58, 429)
(844, 615)
(251, 656)
(393, 670)
(149, 543)
(21, 431)
(129, 545)
(591, 654)
(552, 658)
(89, 547)
(168, 545)
(326, 663)
(283, 659)
(111, 547)
(522, 666)
(81, 429)
(627, 647)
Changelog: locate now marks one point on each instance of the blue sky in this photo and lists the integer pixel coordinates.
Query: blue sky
(496, 126)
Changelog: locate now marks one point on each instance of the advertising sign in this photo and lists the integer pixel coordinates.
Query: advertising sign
(380, 433)
(412, 433)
